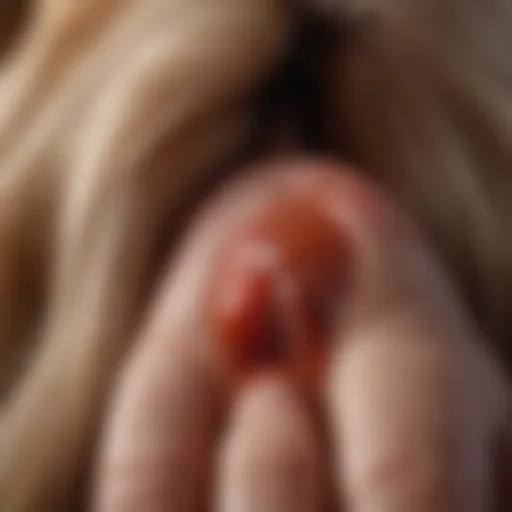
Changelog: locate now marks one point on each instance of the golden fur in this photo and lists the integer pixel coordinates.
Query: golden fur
(110, 113)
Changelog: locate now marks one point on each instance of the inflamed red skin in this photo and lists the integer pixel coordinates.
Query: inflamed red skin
(277, 289)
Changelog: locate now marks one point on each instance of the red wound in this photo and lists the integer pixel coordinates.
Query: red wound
(277, 285)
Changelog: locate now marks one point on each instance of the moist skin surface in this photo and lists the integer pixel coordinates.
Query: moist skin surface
(278, 283)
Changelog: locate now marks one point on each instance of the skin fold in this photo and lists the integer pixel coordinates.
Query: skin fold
(403, 325)
(112, 114)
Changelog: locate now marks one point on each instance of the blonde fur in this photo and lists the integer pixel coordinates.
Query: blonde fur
(110, 112)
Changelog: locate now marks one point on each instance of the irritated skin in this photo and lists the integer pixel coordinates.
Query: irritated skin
(278, 285)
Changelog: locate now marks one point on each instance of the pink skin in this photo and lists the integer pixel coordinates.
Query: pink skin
(415, 406)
